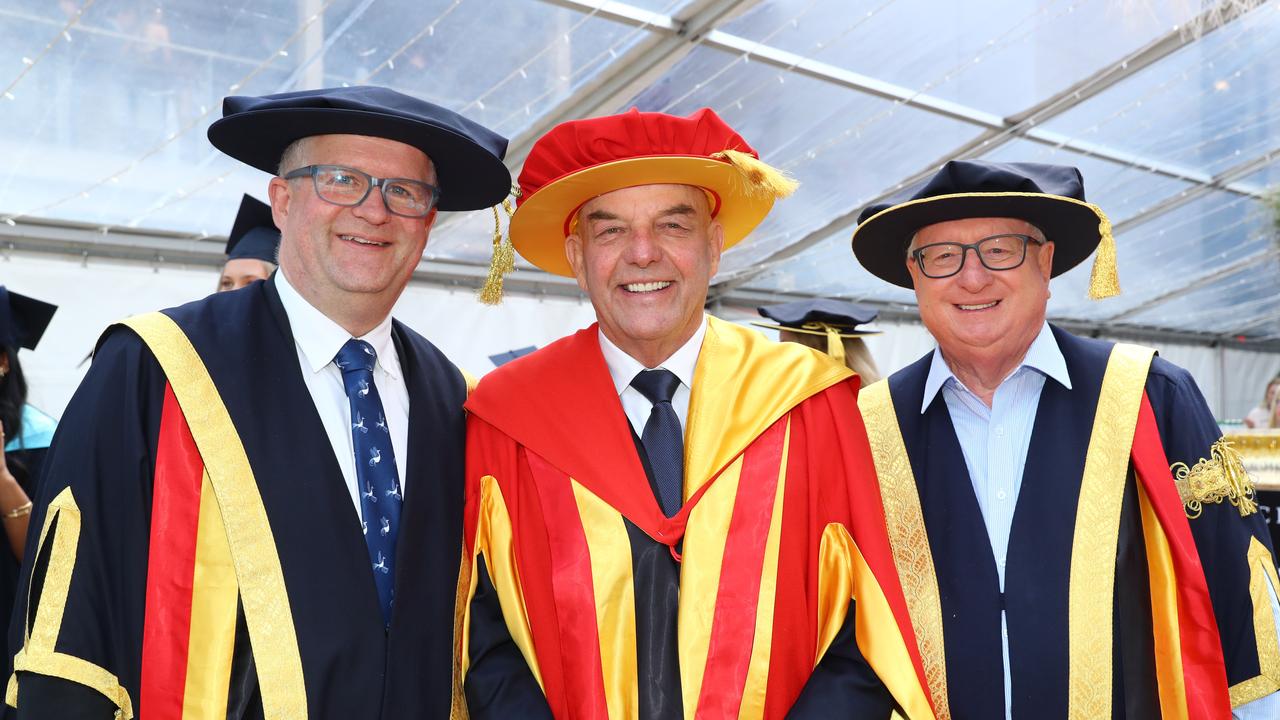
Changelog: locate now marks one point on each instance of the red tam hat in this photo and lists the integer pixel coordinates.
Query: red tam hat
(583, 159)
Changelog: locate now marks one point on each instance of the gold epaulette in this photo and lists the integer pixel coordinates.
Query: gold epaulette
(1221, 476)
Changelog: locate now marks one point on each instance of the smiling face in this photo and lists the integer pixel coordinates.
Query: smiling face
(645, 256)
(980, 315)
(350, 261)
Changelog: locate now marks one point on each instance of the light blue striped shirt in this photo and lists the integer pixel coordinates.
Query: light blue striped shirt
(995, 441)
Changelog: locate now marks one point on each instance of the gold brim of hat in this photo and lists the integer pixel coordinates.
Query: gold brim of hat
(816, 331)
(540, 224)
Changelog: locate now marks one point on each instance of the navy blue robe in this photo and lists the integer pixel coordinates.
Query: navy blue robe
(1038, 564)
(105, 450)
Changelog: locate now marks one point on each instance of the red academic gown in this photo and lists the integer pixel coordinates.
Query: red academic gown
(586, 601)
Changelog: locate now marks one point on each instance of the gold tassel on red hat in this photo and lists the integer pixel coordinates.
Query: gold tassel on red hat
(504, 258)
(1104, 279)
(762, 178)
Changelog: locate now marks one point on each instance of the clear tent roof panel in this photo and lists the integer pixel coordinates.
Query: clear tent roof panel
(1229, 305)
(1160, 259)
(828, 269)
(1207, 107)
(1121, 190)
(841, 144)
(1004, 59)
(111, 125)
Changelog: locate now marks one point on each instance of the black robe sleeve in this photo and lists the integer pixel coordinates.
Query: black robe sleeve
(87, 546)
(499, 683)
(843, 683)
(1223, 536)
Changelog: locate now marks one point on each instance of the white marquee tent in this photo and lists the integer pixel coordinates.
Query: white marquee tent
(112, 201)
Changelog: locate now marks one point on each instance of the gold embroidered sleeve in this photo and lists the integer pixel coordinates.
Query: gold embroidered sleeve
(1219, 477)
(38, 654)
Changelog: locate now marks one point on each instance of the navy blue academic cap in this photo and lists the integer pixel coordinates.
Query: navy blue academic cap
(840, 315)
(23, 319)
(467, 156)
(254, 234)
(1050, 197)
(505, 357)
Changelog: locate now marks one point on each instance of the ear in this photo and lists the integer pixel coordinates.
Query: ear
(431, 220)
(278, 193)
(1045, 260)
(912, 270)
(573, 253)
(717, 245)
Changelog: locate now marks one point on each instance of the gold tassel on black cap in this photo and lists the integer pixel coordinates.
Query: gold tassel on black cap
(1104, 279)
(762, 178)
(504, 257)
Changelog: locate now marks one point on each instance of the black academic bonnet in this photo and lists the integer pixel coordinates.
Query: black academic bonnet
(254, 234)
(1050, 197)
(467, 156)
(23, 319)
(809, 316)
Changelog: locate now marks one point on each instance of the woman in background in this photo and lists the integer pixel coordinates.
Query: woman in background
(1264, 416)
(26, 433)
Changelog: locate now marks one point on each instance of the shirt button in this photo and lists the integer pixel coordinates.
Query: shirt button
(999, 431)
(1000, 495)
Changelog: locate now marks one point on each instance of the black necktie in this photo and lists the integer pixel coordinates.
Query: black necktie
(663, 438)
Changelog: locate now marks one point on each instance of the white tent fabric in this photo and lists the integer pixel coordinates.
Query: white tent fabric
(95, 293)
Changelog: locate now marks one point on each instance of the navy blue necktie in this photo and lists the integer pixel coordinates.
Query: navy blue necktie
(663, 437)
(376, 475)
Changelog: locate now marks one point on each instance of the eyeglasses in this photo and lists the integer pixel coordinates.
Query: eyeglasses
(998, 252)
(349, 187)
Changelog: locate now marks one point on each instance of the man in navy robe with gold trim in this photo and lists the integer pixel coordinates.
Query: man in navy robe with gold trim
(1074, 537)
(218, 527)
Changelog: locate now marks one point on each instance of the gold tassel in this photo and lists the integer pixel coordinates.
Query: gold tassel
(1104, 279)
(762, 178)
(835, 343)
(504, 259)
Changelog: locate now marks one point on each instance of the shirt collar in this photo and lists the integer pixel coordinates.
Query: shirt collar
(320, 338)
(623, 368)
(1044, 355)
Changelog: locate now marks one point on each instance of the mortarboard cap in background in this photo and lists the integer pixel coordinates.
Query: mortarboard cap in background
(23, 319)
(254, 234)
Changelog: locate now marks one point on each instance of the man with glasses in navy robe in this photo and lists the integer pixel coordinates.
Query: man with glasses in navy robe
(1074, 536)
(233, 521)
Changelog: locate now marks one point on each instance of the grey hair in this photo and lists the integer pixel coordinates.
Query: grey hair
(291, 158)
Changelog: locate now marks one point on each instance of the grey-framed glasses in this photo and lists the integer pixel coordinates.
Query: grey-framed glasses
(349, 187)
(998, 252)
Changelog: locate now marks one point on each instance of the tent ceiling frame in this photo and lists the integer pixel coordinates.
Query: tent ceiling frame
(998, 131)
(672, 38)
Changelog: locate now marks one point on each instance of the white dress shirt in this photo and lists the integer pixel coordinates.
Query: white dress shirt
(623, 369)
(317, 340)
(995, 441)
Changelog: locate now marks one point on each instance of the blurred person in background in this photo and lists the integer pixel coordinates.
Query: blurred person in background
(830, 327)
(1264, 417)
(25, 433)
(251, 246)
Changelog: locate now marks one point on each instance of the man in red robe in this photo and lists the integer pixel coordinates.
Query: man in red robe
(669, 516)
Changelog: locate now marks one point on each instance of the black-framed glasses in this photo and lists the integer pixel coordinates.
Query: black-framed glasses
(349, 187)
(998, 252)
